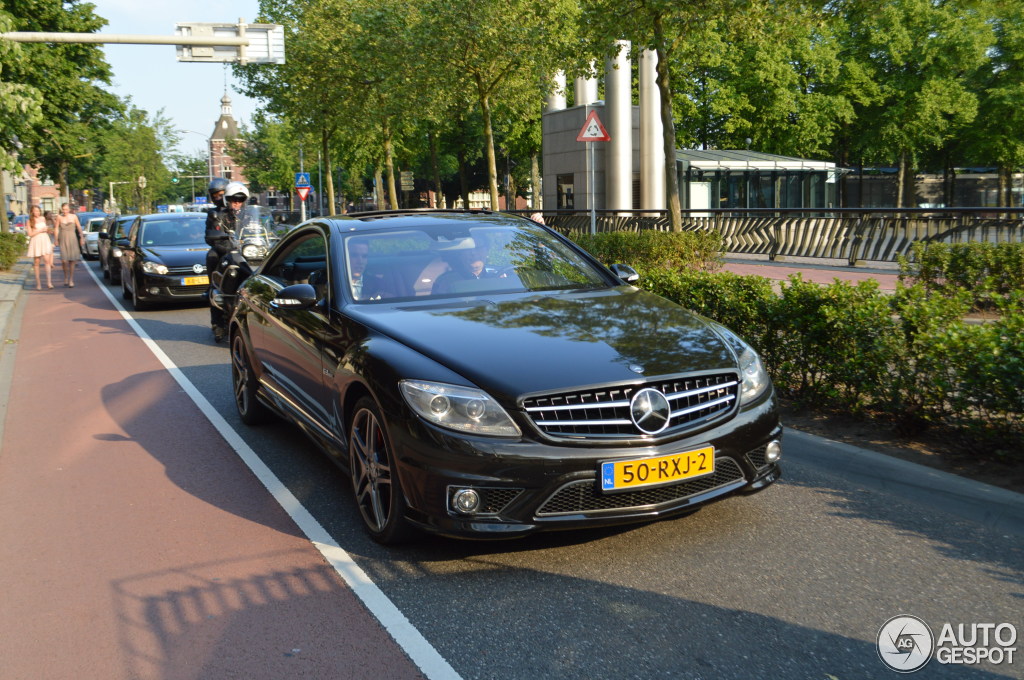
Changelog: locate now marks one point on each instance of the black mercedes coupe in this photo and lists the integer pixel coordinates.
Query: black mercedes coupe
(479, 375)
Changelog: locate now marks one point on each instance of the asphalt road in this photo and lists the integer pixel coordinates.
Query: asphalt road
(794, 582)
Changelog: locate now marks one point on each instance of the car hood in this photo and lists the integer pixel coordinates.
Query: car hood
(554, 341)
(177, 256)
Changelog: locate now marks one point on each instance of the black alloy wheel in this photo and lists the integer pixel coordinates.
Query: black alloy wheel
(243, 384)
(378, 492)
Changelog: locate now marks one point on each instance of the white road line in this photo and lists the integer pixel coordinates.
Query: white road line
(422, 653)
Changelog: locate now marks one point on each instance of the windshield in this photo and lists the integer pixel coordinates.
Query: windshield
(443, 260)
(189, 231)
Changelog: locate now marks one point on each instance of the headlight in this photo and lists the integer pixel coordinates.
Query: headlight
(153, 267)
(116, 252)
(250, 251)
(753, 377)
(458, 408)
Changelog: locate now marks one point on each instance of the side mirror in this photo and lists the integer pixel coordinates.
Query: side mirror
(296, 296)
(121, 243)
(104, 235)
(625, 272)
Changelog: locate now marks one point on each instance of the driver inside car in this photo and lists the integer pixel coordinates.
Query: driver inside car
(466, 265)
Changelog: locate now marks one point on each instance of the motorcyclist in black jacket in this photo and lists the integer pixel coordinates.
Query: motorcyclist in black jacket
(221, 224)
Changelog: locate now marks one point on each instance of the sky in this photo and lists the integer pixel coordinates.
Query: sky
(188, 93)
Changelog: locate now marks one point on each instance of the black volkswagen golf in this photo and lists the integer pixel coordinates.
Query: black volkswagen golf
(478, 375)
(163, 259)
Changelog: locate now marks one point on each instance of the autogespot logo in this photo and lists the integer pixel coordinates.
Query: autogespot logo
(905, 644)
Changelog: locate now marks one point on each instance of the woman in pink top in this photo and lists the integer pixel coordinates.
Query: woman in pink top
(39, 244)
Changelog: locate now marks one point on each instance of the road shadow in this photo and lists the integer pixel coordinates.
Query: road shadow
(297, 622)
(951, 537)
(154, 414)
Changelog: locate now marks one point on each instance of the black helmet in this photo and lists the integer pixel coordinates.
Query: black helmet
(217, 186)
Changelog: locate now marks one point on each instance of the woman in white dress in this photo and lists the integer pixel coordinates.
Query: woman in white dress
(40, 247)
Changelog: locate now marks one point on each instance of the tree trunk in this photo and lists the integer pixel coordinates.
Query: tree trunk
(435, 168)
(536, 190)
(325, 139)
(492, 166)
(389, 167)
(901, 179)
(665, 90)
(378, 188)
(463, 178)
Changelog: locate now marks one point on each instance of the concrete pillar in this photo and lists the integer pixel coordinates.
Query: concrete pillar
(556, 99)
(652, 148)
(618, 119)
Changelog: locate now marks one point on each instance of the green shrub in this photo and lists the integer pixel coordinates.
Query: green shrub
(12, 246)
(649, 249)
(989, 270)
(909, 355)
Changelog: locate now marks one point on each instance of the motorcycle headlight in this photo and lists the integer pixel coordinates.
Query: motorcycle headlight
(463, 409)
(249, 251)
(154, 267)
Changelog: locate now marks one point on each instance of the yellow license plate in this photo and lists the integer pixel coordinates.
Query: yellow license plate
(196, 281)
(629, 474)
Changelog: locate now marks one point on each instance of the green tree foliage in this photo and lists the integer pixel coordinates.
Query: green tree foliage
(269, 152)
(69, 78)
(500, 50)
(921, 55)
(135, 146)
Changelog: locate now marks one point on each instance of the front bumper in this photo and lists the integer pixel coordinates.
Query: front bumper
(529, 486)
(170, 287)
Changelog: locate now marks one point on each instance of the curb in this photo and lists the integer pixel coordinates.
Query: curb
(990, 506)
(12, 304)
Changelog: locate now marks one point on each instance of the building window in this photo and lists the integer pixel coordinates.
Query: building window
(564, 187)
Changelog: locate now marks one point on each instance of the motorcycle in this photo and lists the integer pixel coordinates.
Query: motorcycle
(239, 264)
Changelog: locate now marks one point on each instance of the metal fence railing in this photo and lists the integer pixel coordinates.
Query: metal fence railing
(854, 235)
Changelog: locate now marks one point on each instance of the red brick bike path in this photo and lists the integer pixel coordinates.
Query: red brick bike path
(135, 543)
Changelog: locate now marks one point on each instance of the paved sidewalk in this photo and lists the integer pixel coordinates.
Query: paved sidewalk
(817, 271)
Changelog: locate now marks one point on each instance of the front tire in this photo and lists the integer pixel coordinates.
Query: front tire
(375, 484)
(136, 301)
(243, 383)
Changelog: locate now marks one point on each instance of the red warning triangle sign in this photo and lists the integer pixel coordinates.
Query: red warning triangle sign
(303, 192)
(593, 130)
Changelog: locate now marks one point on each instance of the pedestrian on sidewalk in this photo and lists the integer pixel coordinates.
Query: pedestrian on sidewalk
(40, 247)
(70, 241)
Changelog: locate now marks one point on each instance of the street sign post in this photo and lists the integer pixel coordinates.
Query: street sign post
(592, 131)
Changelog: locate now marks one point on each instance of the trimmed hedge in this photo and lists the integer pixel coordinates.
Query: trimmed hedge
(909, 355)
(12, 246)
(648, 248)
(988, 270)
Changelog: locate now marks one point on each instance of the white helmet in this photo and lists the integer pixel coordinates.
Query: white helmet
(235, 189)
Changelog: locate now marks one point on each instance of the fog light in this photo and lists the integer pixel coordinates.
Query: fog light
(154, 291)
(773, 451)
(466, 501)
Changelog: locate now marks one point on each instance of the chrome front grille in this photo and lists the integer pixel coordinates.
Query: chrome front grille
(583, 495)
(185, 271)
(605, 413)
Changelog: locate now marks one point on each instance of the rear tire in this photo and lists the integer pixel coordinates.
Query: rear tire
(378, 492)
(243, 383)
